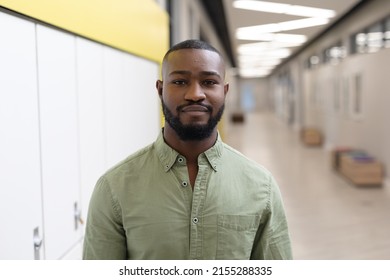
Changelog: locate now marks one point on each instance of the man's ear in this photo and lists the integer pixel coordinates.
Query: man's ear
(226, 88)
(159, 87)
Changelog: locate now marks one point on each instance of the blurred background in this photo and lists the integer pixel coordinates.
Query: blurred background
(309, 91)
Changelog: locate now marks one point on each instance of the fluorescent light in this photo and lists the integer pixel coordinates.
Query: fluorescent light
(310, 12)
(302, 23)
(261, 6)
(250, 50)
(254, 72)
(244, 63)
(258, 59)
(259, 63)
(250, 31)
(268, 45)
(279, 37)
(280, 8)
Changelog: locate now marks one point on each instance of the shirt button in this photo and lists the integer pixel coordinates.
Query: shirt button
(180, 160)
(184, 184)
(195, 220)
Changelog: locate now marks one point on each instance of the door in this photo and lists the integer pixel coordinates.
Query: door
(59, 139)
(91, 117)
(20, 184)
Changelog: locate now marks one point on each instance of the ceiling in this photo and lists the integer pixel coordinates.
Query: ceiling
(228, 19)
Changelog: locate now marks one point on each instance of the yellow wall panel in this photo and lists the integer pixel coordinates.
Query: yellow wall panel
(138, 27)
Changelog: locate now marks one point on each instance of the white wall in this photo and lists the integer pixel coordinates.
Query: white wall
(70, 108)
(326, 93)
(342, 126)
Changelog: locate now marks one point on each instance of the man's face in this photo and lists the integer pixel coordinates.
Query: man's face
(193, 92)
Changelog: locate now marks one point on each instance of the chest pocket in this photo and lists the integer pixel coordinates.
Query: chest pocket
(236, 234)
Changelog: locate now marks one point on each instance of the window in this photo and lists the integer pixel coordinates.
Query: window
(312, 62)
(361, 42)
(386, 37)
(334, 54)
(372, 38)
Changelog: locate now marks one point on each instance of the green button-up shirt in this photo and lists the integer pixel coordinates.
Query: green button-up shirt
(144, 208)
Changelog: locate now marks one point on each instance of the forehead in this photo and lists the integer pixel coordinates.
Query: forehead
(193, 60)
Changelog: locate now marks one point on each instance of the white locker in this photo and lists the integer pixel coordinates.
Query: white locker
(70, 109)
(59, 139)
(116, 122)
(132, 114)
(142, 97)
(91, 117)
(20, 177)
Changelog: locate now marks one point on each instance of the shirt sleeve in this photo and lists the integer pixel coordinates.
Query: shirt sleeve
(272, 240)
(105, 237)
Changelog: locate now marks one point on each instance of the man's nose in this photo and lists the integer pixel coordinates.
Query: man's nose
(195, 93)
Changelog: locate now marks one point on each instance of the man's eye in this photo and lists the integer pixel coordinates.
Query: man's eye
(179, 82)
(209, 82)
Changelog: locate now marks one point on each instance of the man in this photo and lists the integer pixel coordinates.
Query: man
(188, 195)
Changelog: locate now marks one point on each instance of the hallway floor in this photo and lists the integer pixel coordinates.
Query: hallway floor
(329, 218)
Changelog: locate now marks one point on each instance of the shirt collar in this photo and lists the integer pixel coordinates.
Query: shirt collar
(168, 156)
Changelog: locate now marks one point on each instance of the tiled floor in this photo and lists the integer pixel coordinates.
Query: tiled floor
(329, 218)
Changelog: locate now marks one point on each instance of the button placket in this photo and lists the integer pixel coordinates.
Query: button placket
(181, 161)
(198, 201)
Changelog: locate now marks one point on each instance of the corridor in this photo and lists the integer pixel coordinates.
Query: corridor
(329, 218)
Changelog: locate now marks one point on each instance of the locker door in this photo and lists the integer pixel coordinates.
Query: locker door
(132, 103)
(20, 179)
(59, 139)
(116, 107)
(140, 77)
(91, 116)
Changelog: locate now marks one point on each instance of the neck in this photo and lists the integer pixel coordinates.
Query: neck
(189, 149)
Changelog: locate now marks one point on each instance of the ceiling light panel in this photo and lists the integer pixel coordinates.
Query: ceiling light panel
(260, 63)
(254, 72)
(253, 50)
(263, 46)
(280, 8)
(279, 37)
(251, 31)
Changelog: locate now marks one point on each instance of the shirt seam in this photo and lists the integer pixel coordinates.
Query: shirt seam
(269, 194)
(114, 203)
(268, 208)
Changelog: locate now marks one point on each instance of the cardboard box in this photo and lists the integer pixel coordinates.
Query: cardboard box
(361, 169)
(336, 154)
(311, 136)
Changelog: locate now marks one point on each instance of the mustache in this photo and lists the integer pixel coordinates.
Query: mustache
(181, 107)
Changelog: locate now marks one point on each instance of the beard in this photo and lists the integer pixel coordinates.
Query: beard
(192, 132)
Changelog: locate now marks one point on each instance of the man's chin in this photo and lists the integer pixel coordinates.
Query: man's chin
(194, 121)
(194, 132)
(195, 124)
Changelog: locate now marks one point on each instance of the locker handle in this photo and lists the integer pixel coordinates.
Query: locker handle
(37, 241)
(77, 216)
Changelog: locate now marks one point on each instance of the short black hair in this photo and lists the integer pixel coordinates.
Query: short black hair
(192, 44)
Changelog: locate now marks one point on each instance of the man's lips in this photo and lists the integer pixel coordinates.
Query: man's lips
(195, 108)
